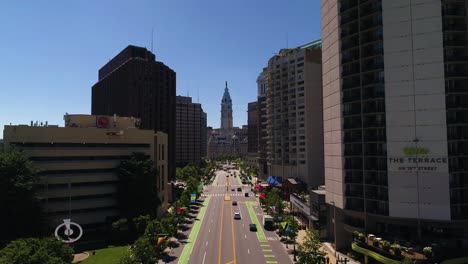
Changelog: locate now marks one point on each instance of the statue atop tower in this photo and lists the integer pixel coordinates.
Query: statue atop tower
(226, 113)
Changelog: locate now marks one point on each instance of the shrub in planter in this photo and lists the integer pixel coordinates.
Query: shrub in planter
(396, 249)
(427, 251)
(358, 236)
(362, 237)
(385, 245)
(355, 235)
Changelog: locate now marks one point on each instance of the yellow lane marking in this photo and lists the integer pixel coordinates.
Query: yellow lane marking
(220, 234)
(267, 250)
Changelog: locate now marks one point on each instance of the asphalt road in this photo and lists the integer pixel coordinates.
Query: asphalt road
(222, 239)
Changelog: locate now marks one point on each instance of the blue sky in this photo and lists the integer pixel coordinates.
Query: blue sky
(51, 51)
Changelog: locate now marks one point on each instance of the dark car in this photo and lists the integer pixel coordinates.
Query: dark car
(253, 227)
(246, 194)
(239, 189)
(234, 203)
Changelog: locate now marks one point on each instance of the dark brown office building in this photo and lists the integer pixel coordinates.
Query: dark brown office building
(252, 127)
(191, 131)
(134, 84)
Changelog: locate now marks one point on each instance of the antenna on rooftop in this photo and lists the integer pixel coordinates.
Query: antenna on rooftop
(152, 29)
(198, 96)
(287, 41)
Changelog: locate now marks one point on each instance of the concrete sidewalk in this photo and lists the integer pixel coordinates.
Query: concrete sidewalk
(331, 254)
(327, 247)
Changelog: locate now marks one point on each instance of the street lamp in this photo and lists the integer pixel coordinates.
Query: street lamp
(294, 249)
(334, 225)
(294, 241)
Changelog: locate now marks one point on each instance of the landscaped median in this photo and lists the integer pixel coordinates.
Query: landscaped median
(215, 181)
(374, 255)
(184, 257)
(463, 260)
(260, 234)
(239, 180)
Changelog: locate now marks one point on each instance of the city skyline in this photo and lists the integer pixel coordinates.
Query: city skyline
(251, 127)
(71, 43)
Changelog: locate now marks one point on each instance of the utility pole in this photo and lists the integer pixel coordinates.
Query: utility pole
(334, 225)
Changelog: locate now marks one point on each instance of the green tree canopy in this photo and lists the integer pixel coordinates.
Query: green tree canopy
(309, 251)
(293, 227)
(20, 206)
(138, 194)
(273, 198)
(191, 170)
(36, 251)
(142, 251)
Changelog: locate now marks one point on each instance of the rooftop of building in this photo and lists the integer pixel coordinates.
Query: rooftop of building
(130, 53)
(89, 121)
(314, 45)
(100, 121)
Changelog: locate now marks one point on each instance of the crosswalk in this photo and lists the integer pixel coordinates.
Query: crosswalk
(221, 194)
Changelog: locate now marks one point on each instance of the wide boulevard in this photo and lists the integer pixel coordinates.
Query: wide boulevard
(223, 239)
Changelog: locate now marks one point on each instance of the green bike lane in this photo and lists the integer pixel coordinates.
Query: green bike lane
(266, 250)
(204, 228)
(272, 248)
(184, 257)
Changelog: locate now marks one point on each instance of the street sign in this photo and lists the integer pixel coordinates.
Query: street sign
(193, 198)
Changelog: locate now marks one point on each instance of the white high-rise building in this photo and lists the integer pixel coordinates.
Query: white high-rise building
(395, 102)
(294, 114)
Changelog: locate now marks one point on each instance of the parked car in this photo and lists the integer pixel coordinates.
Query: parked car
(232, 190)
(234, 202)
(237, 215)
(239, 189)
(246, 194)
(253, 227)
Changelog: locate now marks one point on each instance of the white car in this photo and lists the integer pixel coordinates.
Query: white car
(237, 215)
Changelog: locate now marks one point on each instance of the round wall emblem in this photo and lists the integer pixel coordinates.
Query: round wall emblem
(68, 231)
(103, 121)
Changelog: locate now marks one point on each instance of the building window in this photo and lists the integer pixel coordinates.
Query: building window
(159, 151)
(163, 175)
